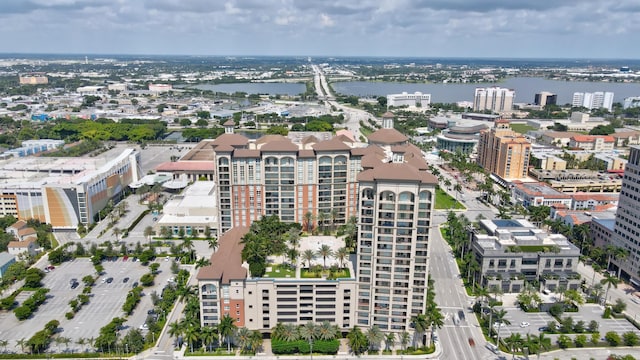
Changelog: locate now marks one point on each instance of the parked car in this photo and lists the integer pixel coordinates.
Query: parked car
(109, 280)
(524, 324)
(125, 280)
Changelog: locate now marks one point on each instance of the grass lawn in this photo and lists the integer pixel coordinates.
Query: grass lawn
(521, 128)
(280, 271)
(307, 274)
(445, 202)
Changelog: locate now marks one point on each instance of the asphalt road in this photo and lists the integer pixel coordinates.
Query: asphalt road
(452, 299)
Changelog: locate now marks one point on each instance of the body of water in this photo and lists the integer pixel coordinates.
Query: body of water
(290, 89)
(525, 88)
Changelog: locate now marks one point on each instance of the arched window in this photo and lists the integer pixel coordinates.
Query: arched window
(367, 194)
(340, 160)
(425, 196)
(325, 160)
(406, 196)
(387, 196)
(286, 161)
(223, 161)
(271, 161)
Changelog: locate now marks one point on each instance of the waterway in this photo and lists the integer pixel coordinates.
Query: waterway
(525, 88)
(290, 89)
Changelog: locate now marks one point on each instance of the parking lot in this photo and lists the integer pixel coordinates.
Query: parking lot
(586, 313)
(105, 303)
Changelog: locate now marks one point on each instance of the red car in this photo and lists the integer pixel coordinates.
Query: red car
(125, 258)
(471, 342)
(50, 267)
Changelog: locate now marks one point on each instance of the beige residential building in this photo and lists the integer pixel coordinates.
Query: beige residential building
(504, 152)
(557, 138)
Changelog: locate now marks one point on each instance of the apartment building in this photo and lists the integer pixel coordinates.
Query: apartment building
(544, 98)
(627, 225)
(504, 152)
(385, 185)
(495, 98)
(595, 100)
(514, 251)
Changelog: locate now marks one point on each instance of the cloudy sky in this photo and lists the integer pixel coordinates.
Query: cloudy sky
(426, 28)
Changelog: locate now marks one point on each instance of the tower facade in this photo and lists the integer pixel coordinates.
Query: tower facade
(504, 152)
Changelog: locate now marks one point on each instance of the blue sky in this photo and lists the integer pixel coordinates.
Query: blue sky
(424, 28)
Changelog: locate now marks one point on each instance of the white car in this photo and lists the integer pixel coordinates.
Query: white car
(498, 324)
(144, 326)
(524, 324)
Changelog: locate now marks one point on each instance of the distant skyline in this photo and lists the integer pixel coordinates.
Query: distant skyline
(400, 28)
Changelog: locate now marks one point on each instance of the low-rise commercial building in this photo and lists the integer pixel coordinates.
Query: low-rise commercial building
(514, 251)
(592, 142)
(6, 260)
(192, 212)
(405, 99)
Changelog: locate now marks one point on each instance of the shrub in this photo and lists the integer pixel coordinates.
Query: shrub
(564, 341)
(593, 326)
(595, 338)
(607, 313)
(146, 279)
(612, 338)
(70, 315)
(630, 338)
(581, 340)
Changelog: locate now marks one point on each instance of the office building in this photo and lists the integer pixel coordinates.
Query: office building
(462, 139)
(417, 99)
(504, 152)
(631, 102)
(627, 225)
(496, 99)
(545, 98)
(594, 100)
(511, 252)
(33, 79)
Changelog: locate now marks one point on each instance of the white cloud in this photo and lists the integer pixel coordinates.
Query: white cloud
(326, 21)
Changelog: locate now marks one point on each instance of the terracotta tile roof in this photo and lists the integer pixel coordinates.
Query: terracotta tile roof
(604, 207)
(397, 172)
(306, 154)
(591, 138)
(345, 133)
(234, 140)
(371, 149)
(596, 196)
(369, 161)
(19, 224)
(22, 244)
(229, 123)
(26, 231)
(331, 145)
(187, 166)
(246, 153)
(280, 146)
(271, 137)
(387, 137)
(226, 262)
(388, 114)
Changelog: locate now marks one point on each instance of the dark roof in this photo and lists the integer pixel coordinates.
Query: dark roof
(226, 262)
(397, 172)
(387, 137)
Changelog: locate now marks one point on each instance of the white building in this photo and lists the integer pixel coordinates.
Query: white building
(416, 99)
(193, 211)
(632, 101)
(594, 100)
(159, 88)
(495, 98)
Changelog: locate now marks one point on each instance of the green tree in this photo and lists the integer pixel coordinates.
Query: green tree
(609, 281)
(357, 341)
(420, 324)
(324, 252)
(226, 329)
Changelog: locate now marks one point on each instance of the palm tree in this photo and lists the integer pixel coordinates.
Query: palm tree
(620, 254)
(324, 251)
(290, 333)
(322, 217)
(404, 340)
(188, 245)
(389, 341)
(308, 221)
(333, 214)
(226, 328)
(175, 330)
(531, 343)
(213, 244)
(515, 342)
(202, 262)
(292, 255)
(609, 281)
(326, 331)
(341, 255)
(255, 341)
(243, 336)
(374, 337)
(420, 324)
(116, 232)
(208, 335)
(435, 319)
(308, 255)
(500, 319)
(191, 335)
(294, 237)
(357, 340)
(308, 331)
(543, 343)
(148, 232)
